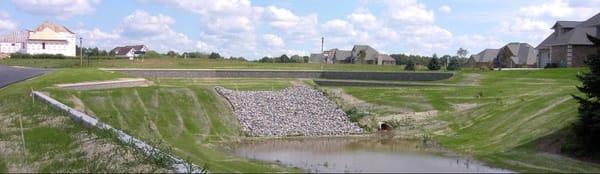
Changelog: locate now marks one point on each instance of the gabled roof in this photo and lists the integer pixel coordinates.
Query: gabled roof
(566, 24)
(343, 54)
(576, 36)
(53, 27)
(15, 37)
(125, 49)
(386, 57)
(520, 53)
(487, 55)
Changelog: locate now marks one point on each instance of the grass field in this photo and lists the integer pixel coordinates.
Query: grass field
(194, 63)
(513, 109)
(54, 143)
(186, 114)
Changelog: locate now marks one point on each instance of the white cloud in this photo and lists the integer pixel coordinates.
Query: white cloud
(338, 27)
(409, 12)
(141, 23)
(445, 9)
(6, 23)
(273, 41)
(556, 8)
(57, 8)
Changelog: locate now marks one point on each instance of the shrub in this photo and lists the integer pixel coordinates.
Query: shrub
(36, 56)
(434, 64)
(355, 115)
(453, 65)
(410, 66)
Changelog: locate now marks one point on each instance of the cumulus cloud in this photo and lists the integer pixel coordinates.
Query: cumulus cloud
(409, 12)
(154, 31)
(57, 8)
(445, 9)
(273, 41)
(6, 23)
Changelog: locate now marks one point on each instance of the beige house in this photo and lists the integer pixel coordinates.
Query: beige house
(371, 56)
(47, 38)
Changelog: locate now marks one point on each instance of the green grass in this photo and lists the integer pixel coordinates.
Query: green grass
(50, 143)
(3, 168)
(187, 114)
(193, 63)
(514, 108)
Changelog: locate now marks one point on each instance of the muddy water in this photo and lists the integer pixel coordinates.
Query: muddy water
(359, 155)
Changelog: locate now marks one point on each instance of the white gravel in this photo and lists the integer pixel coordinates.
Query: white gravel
(294, 111)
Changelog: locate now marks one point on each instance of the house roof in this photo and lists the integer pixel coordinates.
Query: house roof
(576, 36)
(371, 53)
(316, 58)
(343, 54)
(487, 55)
(566, 24)
(14, 37)
(125, 49)
(386, 57)
(53, 27)
(521, 53)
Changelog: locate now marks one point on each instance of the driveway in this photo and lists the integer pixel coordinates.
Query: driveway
(10, 75)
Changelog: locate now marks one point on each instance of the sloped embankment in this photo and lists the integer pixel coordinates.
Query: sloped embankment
(298, 110)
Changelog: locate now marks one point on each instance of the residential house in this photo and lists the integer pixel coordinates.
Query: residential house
(568, 45)
(484, 58)
(129, 51)
(517, 55)
(47, 38)
(371, 56)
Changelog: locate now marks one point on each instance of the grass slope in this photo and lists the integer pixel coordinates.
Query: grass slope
(186, 114)
(194, 63)
(52, 141)
(514, 108)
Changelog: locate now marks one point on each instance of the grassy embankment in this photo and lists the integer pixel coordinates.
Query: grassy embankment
(195, 64)
(186, 114)
(513, 109)
(52, 142)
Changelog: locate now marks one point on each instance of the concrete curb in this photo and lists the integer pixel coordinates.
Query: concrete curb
(310, 74)
(179, 166)
(120, 83)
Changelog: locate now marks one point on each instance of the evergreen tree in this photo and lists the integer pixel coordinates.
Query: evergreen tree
(588, 127)
(362, 54)
(214, 55)
(434, 63)
(284, 59)
(454, 64)
(410, 65)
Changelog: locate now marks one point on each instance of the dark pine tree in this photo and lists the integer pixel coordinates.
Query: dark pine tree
(588, 126)
(434, 63)
(410, 65)
(454, 64)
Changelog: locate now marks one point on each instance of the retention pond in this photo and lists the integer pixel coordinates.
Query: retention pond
(364, 155)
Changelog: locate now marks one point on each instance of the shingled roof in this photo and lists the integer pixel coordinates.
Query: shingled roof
(487, 55)
(53, 27)
(576, 36)
(125, 49)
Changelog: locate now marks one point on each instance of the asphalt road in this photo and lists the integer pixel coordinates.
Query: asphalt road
(10, 75)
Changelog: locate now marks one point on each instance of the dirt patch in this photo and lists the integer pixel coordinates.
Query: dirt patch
(80, 106)
(471, 79)
(464, 106)
(415, 116)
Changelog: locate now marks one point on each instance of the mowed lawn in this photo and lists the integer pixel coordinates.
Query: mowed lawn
(187, 114)
(194, 64)
(512, 110)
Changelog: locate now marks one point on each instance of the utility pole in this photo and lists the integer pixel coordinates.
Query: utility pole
(322, 55)
(81, 51)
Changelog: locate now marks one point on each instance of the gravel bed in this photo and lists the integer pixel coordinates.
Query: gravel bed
(294, 111)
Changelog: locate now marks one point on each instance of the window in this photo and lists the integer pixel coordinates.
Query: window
(43, 45)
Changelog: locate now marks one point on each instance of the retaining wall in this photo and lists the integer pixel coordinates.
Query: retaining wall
(179, 166)
(208, 73)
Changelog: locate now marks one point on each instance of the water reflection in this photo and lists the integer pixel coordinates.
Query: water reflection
(359, 155)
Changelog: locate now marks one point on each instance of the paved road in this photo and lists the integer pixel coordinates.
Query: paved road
(10, 75)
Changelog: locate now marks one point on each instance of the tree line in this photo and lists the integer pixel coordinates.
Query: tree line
(284, 59)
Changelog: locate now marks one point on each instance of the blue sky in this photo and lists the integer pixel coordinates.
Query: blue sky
(257, 28)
